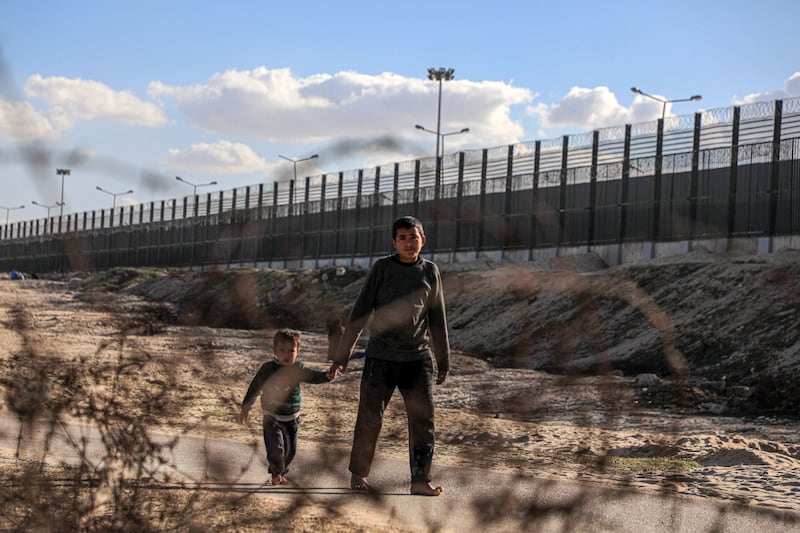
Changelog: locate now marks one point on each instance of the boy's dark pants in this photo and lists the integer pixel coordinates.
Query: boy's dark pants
(280, 439)
(414, 379)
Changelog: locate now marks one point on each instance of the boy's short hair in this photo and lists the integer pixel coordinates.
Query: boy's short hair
(407, 222)
(286, 335)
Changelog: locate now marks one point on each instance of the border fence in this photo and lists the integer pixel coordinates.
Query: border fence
(721, 174)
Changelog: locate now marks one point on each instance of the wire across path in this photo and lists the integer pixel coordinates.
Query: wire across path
(474, 499)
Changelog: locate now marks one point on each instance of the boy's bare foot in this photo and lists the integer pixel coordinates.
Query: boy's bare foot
(360, 483)
(279, 480)
(424, 488)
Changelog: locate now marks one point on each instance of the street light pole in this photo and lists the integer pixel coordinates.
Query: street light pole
(48, 207)
(9, 209)
(294, 162)
(441, 74)
(193, 185)
(442, 135)
(664, 101)
(63, 172)
(114, 195)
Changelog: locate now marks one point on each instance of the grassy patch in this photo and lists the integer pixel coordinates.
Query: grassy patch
(120, 278)
(642, 465)
(628, 465)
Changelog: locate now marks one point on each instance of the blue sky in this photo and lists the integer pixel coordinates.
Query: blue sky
(129, 95)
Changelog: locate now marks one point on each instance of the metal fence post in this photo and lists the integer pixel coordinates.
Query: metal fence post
(774, 174)
(321, 232)
(246, 239)
(260, 204)
(459, 202)
(416, 186)
(305, 213)
(562, 192)
(395, 190)
(733, 172)
(359, 192)
(537, 159)
(376, 201)
(508, 189)
(593, 189)
(273, 222)
(482, 201)
(625, 186)
(339, 215)
(693, 184)
(656, 212)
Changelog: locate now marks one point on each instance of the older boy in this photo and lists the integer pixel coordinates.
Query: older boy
(403, 297)
(278, 383)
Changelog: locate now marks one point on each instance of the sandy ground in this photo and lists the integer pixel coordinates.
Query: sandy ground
(595, 429)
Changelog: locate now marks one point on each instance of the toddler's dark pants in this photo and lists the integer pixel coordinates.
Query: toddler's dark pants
(280, 439)
(414, 379)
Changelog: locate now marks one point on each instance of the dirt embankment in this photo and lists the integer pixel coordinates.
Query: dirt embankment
(699, 330)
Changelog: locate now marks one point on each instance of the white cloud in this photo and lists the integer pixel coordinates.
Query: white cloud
(69, 101)
(791, 89)
(595, 108)
(792, 85)
(20, 122)
(586, 108)
(275, 105)
(221, 157)
(126, 201)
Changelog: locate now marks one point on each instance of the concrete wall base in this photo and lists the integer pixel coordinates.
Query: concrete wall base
(612, 254)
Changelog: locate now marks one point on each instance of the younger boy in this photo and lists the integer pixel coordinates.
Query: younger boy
(278, 383)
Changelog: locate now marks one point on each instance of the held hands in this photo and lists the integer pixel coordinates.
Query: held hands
(243, 415)
(335, 370)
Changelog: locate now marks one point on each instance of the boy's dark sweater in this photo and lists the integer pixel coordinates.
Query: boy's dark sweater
(279, 386)
(404, 306)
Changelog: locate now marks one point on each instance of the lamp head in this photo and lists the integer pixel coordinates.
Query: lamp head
(440, 74)
(696, 98)
(465, 130)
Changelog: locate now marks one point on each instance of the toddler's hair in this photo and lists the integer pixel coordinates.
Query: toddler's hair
(286, 335)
